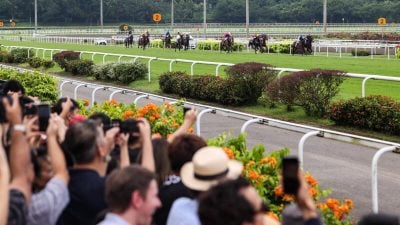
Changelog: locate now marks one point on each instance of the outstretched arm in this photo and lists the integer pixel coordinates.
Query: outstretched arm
(190, 118)
(20, 160)
(4, 181)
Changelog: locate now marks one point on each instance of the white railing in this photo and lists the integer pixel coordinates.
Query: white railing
(365, 77)
(309, 130)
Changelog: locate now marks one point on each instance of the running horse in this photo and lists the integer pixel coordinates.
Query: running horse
(182, 41)
(143, 41)
(259, 43)
(227, 44)
(129, 40)
(303, 46)
(167, 41)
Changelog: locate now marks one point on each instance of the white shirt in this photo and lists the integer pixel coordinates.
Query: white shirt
(184, 212)
(113, 219)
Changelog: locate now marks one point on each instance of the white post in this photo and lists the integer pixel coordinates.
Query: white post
(198, 129)
(94, 93)
(140, 97)
(205, 18)
(301, 145)
(245, 125)
(374, 174)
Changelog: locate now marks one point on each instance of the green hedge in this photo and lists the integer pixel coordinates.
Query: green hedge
(360, 52)
(63, 57)
(21, 55)
(280, 47)
(82, 67)
(36, 62)
(5, 57)
(398, 51)
(244, 85)
(36, 84)
(123, 72)
(215, 45)
(379, 113)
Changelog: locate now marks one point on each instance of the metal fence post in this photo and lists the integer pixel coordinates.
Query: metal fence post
(301, 145)
(150, 67)
(61, 86)
(198, 128)
(140, 97)
(363, 86)
(94, 93)
(76, 89)
(247, 123)
(374, 174)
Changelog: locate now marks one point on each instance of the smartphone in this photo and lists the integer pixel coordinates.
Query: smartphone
(290, 170)
(43, 112)
(129, 126)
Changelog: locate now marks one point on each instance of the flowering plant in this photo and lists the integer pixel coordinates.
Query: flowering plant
(398, 51)
(263, 172)
(164, 119)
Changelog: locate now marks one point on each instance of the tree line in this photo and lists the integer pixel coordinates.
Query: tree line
(78, 12)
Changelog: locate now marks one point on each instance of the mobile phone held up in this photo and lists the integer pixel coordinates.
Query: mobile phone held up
(290, 170)
(43, 112)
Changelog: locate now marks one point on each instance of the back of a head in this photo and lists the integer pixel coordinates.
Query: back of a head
(13, 86)
(103, 119)
(121, 183)
(57, 108)
(81, 141)
(379, 219)
(182, 149)
(224, 204)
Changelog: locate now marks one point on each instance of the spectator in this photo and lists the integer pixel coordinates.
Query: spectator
(233, 202)
(208, 166)
(131, 194)
(47, 205)
(20, 164)
(180, 151)
(67, 108)
(4, 180)
(190, 118)
(90, 149)
(379, 219)
(13, 86)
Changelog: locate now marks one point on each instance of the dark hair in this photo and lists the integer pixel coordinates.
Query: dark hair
(224, 204)
(103, 119)
(379, 219)
(182, 149)
(57, 108)
(122, 182)
(162, 163)
(14, 86)
(81, 141)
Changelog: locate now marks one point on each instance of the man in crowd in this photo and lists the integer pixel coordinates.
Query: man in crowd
(131, 194)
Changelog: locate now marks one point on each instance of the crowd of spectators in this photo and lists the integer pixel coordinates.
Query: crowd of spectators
(66, 170)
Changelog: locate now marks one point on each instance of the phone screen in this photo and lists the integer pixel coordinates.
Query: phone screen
(44, 116)
(290, 169)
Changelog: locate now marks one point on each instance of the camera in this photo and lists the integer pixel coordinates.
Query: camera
(43, 112)
(23, 100)
(290, 171)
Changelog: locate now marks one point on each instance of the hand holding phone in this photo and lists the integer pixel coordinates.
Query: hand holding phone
(44, 116)
(290, 175)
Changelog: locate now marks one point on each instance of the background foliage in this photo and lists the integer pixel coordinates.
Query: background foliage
(188, 11)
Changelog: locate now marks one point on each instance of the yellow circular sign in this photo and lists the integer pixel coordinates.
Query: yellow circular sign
(126, 27)
(13, 24)
(156, 17)
(1, 24)
(382, 21)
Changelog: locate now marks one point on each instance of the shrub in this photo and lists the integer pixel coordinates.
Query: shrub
(128, 72)
(36, 84)
(280, 47)
(79, 67)
(215, 45)
(63, 57)
(6, 57)
(243, 86)
(248, 80)
(48, 64)
(284, 90)
(360, 52)
(398, 51)
(35, 62)
(317, 89)
(21, 55)
(170, 82)
(379, 113)
(104, 71)
(157, 43)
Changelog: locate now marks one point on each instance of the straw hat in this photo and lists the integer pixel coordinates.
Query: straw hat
(209, 164)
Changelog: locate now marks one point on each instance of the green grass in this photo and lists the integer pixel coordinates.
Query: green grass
(349, 89)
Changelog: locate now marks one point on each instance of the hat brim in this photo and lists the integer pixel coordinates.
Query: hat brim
(235, 169)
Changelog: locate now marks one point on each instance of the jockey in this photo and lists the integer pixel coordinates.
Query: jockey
(178, 36)
(300, 38)
(167, 34)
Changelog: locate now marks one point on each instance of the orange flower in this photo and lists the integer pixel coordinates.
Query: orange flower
(250, 163)
(270, 160)
(311, 180)
(86, 102)
(128, 114)
(278, 191)
(190, 130)
(229, 153)
(113, 102)
(288, 198)
(349, 203)
(332, 203)
(312, 192)
(322, 206)
(253, 175)
(344, 209)
(273, 215)
(152, 118)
